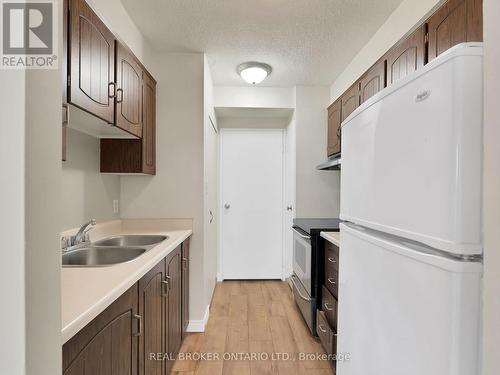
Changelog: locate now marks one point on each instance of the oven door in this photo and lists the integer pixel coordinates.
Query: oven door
(302, 258)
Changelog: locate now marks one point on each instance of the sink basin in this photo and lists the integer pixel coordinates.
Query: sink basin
(131, 240)
(101, 256)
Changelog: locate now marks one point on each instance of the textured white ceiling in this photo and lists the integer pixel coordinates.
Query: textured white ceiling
(307, 42)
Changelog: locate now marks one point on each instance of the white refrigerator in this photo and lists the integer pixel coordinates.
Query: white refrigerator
(410, 267)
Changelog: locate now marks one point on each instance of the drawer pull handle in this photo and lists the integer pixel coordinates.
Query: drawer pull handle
(327, 307)
(332, 260)
(322, 328)
(331, 281)
(139, 318)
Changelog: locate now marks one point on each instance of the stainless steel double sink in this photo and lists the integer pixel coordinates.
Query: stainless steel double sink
(111, 250)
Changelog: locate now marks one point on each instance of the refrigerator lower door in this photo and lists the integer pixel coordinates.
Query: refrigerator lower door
(404, 309)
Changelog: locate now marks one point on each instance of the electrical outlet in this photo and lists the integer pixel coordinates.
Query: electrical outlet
(116, 206)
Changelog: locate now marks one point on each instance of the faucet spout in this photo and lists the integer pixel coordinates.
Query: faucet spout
(80, 236)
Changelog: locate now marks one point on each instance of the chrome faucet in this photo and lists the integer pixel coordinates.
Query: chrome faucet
(79, 239)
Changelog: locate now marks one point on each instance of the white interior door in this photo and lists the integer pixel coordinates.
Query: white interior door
(252, 203)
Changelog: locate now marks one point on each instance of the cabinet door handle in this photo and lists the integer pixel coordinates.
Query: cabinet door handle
(166, 287)
(326, 304)
(119, 95)
(321, 328)
(331, 281)
(139, 318)
(332, 260)
(112, 89)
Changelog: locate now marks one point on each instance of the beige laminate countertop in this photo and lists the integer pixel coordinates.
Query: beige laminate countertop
(333, 237)
(87, 291)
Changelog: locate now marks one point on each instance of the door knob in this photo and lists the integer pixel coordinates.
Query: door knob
(227, 206)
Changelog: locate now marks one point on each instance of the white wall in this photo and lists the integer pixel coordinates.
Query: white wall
(43, 193)
(406, 15)
(30, 149)
(211, 184)
(12, 230)
(317, 192)
(86, 193)
(253, 97)
(177, 189)
(491, 197)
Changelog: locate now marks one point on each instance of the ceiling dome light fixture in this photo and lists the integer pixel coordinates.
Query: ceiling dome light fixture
(254, 72)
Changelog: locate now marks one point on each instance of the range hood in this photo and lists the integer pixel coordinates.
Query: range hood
(332, 164)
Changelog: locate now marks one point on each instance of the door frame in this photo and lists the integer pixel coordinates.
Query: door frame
(222, 131)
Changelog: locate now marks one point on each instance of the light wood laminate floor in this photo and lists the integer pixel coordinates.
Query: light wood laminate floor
(252, 317)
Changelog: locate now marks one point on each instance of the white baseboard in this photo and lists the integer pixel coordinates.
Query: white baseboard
(219, 277)
(199, 325)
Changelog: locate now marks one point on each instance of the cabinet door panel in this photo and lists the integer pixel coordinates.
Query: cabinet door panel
(457, 21)
(152, 304)
(334, 121)
(185, 286)
(406, 57)
(350, 100)
(92, 51)
(149, 125)
(372, 81)
(129, 92)
(108, 345)
(174, 330)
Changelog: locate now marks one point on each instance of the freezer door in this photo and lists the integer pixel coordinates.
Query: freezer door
(403, 310)
(411, 155)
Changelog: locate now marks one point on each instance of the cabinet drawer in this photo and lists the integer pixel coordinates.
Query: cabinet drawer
(331, 258)
(332, 251)
(329, 307)
(326, 335)
(331, 282)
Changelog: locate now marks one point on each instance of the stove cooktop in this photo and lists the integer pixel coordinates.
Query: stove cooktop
(317, 225)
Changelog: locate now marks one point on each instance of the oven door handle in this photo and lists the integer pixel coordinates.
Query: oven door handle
(298, 290)
(301, 235)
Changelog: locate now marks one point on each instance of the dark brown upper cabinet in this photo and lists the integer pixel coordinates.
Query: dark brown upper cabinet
(372, 81)
(135, 155)
(334, 121)
(455, 22)
(350, 100)
(407, 56)
(128, 91)
(148, 124)
(91, 72)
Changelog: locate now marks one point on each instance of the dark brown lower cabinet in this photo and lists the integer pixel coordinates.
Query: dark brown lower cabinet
(152, 308)
(132, 336)
(185, 287)
(326, 324)
(109, 344)
(174, 328)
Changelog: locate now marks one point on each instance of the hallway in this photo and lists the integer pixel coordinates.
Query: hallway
(251, 318)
